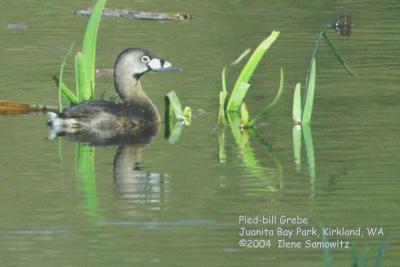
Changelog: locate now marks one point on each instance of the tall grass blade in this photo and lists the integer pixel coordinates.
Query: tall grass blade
(61, 77)
(308, 141)
(66, 92)
(89, 45)
(297, 104)
(274, 101)
(310, 90)
(241, 57)
(338, 56)
(297, 146)
(235, 103)
(235, 62)
(224, 93)
(81, 78)
(237, 96)
(221, 112)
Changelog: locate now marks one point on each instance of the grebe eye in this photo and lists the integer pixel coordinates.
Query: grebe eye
(145, 59)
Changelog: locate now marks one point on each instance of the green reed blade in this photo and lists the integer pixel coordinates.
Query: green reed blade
(244, 115)
(310, 91)
(241, 57)
(274, 101)
(66, 92)
(338, 56)
(81, 78)
(221, 112)
(89, 45)
(297, 146)
(173, 104)
(309, 144)
(238, 95)
(297, 104)
(173, 101)
(235, 62)
(223, 94)
(60, 78)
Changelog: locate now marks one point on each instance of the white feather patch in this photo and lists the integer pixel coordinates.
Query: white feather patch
(155, 64)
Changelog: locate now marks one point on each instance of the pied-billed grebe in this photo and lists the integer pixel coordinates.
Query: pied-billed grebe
(136, 111)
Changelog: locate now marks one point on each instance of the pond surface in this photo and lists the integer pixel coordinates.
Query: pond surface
(182, 207)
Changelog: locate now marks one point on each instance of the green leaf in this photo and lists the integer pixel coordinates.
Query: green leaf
(274, 101)
(244, 115)
(309, 144)
(89, 45)
(221, 112)
(297, 146)
(338, 56)
(172, 103)
(237, 96)
(187, 114)
(60, 78)
(297, 104)
(81, 78)
(66, 92)
(236, 99)
(310, 90)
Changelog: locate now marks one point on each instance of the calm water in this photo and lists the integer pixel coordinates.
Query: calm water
(182, 209)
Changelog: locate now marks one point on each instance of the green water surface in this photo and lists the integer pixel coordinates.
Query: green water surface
(182, 209)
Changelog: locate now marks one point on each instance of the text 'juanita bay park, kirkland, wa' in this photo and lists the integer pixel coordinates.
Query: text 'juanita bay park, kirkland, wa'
(292, 232)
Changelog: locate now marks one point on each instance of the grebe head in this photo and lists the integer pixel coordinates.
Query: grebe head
(138, 61)
(129, 67)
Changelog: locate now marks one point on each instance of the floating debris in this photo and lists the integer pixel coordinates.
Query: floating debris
(12, 108)
(131, 14)
(342, 24)
(17, 26)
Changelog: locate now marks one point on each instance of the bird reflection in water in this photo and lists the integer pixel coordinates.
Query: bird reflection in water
(132, 183)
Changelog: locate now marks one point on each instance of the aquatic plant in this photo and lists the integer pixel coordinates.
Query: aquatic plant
(175, 117)
(173, 109)
(84, 62)
(302, 114)
(239, 91)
